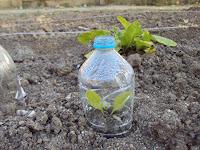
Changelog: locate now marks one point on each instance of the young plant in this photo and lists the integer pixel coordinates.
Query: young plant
(131, 37)
(95, 101)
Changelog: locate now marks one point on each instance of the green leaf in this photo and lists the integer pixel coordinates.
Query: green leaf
(128, 35)
(164, 41)
(117, 36)
(123, 21)
(140, 44)
(120, 100)
(147, 36)
(116, 33)
(85, 38)
(89, 54)
(150, 50)
(94, 100)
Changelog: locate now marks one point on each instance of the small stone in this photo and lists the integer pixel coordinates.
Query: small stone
(194, 96)
(51, 109)
(24, 82)
(45, 139)
(72, 137)
(80, 139)
(22, 53)
(33, 125)
(132, 147)
(31, 114)
(42, 118)
(39, 141)
(21, 112)
(65, 114)
(21, 123)
(46, 28)
(188, 122)
(171, 97)
(194, 107)
(28, 135)
(56, 124)
(180, 84)
(63, 71)
(33, 80)
(68, 97)
(135, 60)
(83, 28)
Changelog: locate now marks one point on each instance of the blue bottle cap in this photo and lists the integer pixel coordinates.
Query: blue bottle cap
(104, 42)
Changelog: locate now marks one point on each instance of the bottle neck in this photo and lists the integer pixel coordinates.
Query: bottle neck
(104, 50)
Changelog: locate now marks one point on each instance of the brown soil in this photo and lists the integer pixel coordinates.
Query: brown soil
(167, 108)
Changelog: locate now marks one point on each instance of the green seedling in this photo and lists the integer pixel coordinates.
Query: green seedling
(120, 101)
(131, 37)
(95, 101)
(87, 37)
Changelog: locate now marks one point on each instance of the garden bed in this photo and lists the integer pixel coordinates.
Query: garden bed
(167, 107)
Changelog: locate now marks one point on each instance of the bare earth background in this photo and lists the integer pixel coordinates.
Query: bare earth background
(167, 107)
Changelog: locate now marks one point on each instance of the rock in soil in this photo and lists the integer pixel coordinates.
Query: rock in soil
(135, 60)
(42, 117)
(56, 124)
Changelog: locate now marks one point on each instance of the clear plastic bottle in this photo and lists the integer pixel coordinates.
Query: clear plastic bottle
(10, 86)
(107, 84)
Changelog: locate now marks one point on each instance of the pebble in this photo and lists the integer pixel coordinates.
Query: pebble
(51, 109)
(72, 137)
(194, 107)
(22, 112)
(25, 82)
(171, 97)
(32, 114)
(21, 123)
(39, 141)
(188, 122)
(135, 60)
(33, 80)
(132, 147)
(64, 71)
(33, 125)
(42, 117)
(180, 84)
(28, 135)
(56, 124)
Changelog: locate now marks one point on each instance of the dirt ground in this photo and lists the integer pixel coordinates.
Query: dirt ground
(167, 107)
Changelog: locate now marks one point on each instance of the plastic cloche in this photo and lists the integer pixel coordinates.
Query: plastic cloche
(10, 86)
(107, 87)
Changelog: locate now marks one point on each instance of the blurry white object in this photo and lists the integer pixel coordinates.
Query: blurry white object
(9, 81)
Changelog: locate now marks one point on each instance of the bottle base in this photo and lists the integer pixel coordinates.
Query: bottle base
(119, 132)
